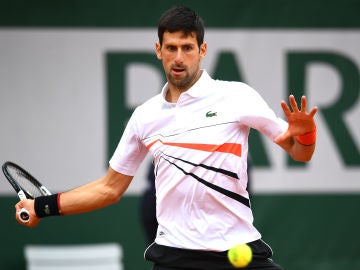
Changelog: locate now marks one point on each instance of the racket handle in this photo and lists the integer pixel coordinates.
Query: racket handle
(24, 215)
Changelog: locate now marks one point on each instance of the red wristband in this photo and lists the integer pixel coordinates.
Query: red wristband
(307, 138)
(58, 203)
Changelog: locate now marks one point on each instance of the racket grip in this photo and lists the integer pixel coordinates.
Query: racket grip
(24, 215)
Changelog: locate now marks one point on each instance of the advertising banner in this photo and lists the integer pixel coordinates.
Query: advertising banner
(66, 95)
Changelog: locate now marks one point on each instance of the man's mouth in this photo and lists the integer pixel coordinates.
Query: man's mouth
(178, 70)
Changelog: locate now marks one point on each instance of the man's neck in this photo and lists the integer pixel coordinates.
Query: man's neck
(173, 93)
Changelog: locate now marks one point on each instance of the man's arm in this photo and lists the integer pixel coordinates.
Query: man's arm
(94, 195)
(299, 139)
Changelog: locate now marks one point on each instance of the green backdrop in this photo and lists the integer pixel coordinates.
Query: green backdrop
(229, 13)
(318, 232)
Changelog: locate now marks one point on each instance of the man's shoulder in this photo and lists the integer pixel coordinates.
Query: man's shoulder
(232, 87)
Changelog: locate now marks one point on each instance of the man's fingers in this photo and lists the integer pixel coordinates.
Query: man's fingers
(293, 103)
(285, 108)
(313, 111)
(303, 104)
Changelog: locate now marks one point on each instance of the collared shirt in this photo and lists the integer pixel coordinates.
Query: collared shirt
(199, 146)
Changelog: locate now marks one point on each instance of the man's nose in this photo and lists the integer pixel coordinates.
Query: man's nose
(179, 58)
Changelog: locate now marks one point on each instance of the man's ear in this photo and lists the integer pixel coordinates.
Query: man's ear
(158, 50)
(203, 50)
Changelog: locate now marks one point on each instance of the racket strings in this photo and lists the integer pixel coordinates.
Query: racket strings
(25, 181)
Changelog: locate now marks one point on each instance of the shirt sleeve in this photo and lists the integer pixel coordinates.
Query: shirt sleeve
(130, 151)
(258, 115)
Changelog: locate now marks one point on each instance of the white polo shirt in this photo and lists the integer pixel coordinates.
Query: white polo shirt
(200, 147)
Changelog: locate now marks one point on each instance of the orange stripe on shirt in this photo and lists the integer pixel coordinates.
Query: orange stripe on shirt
(231, 148)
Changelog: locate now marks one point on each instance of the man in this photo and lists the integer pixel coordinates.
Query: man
(197, 132)
(148, 207)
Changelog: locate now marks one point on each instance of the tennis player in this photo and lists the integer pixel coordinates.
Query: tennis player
(197, 131)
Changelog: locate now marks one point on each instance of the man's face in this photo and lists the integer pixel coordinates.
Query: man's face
(181, 57)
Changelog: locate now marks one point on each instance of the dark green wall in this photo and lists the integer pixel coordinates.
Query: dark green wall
(229, 13)
(317, 232)
(118, 223)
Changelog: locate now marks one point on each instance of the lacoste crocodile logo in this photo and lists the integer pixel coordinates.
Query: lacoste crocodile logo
(211, 114)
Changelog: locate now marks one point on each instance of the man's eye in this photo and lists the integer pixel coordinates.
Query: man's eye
(187, 48)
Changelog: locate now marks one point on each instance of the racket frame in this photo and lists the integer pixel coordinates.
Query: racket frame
(22, 194)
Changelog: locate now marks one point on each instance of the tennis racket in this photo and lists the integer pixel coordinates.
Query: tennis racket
(25, 185)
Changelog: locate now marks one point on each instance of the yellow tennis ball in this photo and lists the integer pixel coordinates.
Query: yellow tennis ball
(240, 255)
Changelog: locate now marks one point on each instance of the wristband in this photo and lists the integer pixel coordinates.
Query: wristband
(46, 206)
(308, 138)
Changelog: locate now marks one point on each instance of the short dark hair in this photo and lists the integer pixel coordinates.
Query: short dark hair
(181, 19)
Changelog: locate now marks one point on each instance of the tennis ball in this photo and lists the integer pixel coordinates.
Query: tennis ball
(240, 255)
